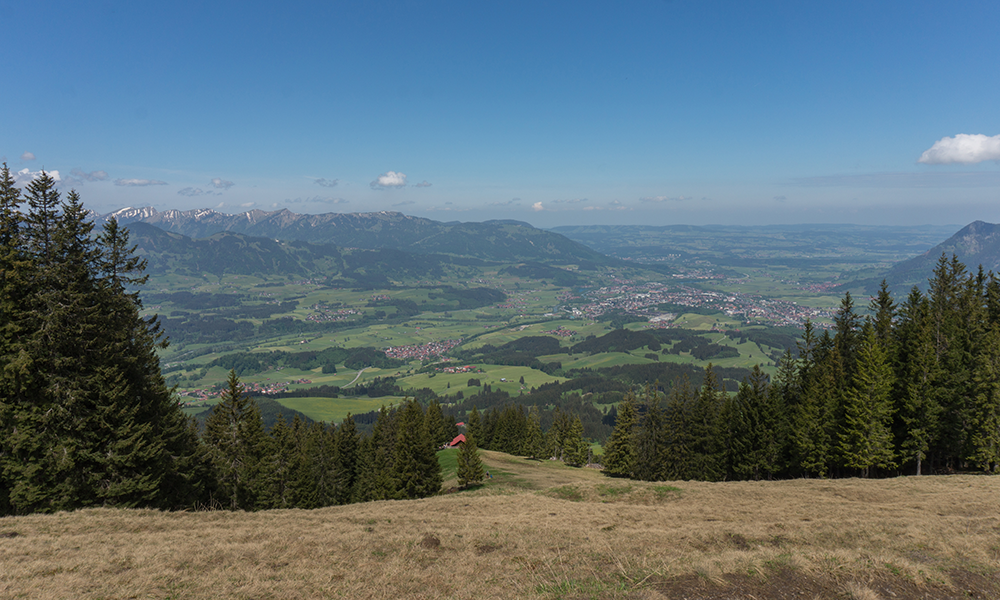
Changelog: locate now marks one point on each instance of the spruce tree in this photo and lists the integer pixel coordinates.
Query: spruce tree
(346, 459)
(678, 441)
(470, 466)
(474, 426)
(706, 450)
(985, 422)
(534, 446)
(650, 440)
(575, 448)
(619, 451)
(918, 384)
(416, 472)
(866, 440)
(238, 444)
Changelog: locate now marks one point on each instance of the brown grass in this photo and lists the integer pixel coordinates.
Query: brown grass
(572, 534)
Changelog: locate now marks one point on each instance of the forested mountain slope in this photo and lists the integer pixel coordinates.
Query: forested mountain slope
(491, 240)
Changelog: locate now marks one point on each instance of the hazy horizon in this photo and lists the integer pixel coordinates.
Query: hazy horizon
(652, 113)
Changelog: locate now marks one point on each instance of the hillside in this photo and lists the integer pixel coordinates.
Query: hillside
(977, 243)
(505, 241)
(537, 530)
(228, 253)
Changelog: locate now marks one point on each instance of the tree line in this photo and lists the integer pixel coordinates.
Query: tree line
(911, 388)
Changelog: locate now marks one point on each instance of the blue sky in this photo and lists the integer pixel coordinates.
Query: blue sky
(644, 112)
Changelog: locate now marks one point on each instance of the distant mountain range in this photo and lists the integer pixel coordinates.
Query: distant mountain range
(501, 241)
(228, 253)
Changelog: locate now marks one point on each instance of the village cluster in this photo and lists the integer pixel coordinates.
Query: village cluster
(421, 351)
(637, 299)
(251, 387)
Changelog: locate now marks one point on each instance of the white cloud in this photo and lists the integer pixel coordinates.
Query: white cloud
(423, 183)
(24, 176)
(389, 179)
(138, 182)
(327, 182)
(963, 148)
(222, 184)
(537, 206)
(27, 156)
(248, 204)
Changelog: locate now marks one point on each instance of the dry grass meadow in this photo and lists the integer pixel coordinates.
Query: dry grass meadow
(538, 530)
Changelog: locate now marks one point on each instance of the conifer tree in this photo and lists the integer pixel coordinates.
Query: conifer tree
(650, 440)
(474, 426)
(678, 439)
(575, 448)
(416, 471)
(706, 450)
(619, 451)
(377, 458)
(866, 440)
(436, 425)
(534, 446)
(918, 384)
(470, 466)
(238, 446)
(346, 459)
(985, 422)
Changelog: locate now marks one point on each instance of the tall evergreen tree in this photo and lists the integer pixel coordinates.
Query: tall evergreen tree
(619, 451)
(985, 422)
(238, 446)
(706, 449)
(416, 471)
(917, 386)
(866, 441)
(470, 466)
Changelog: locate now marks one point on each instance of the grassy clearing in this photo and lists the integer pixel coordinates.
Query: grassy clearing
(499, 377)
(333, 410)
(538, 529)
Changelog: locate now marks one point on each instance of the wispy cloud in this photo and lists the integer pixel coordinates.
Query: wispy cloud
(138, 182)
(570, 201)
(510, 202)
(613, 205)
(665, 199)
(388, 180)
(963, 149)
(27, 156)
(423, 183)
(221, 184)
(323, 181)
(404, 203)
(962, 179)
(192, 192)
(79, 176)
(316, 200)
(780, 198)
